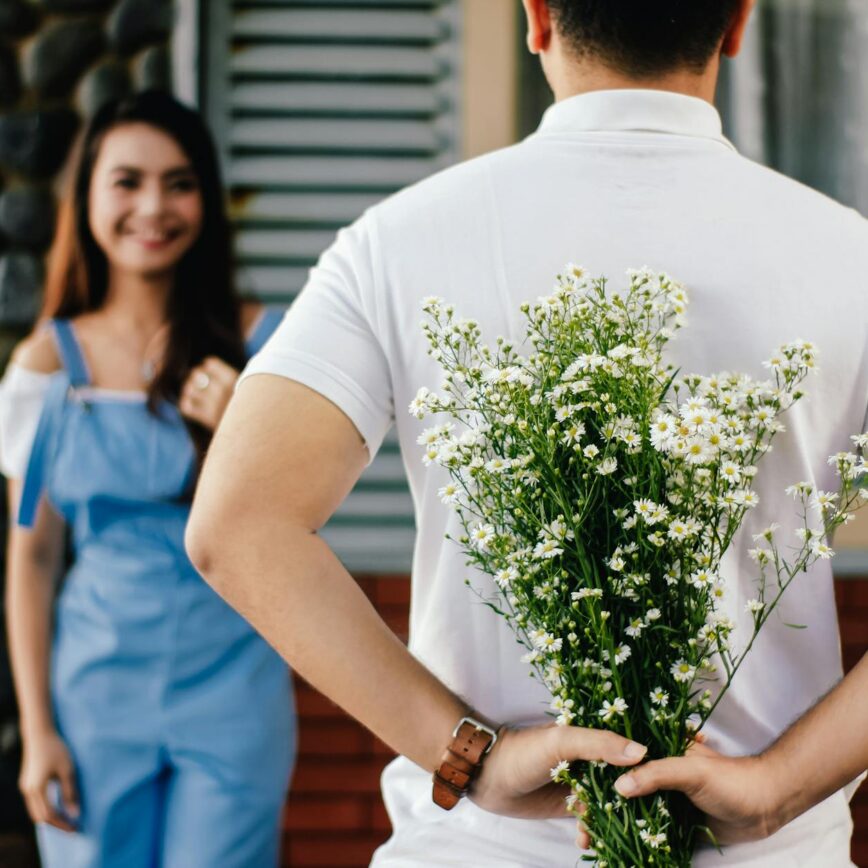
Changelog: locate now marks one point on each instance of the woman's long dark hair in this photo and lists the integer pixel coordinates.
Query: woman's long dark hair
(203, 309)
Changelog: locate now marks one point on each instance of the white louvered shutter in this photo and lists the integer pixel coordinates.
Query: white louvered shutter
(320, 110)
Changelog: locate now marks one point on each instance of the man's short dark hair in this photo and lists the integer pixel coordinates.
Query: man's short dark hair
(644, 38)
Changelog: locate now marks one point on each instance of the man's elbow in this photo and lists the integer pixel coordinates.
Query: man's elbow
(205, 539)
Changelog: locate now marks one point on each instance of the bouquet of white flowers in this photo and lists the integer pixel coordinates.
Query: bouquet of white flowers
(600, 490)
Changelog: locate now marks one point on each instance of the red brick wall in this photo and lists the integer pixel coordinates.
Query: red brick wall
(853, 614)
(335, 817)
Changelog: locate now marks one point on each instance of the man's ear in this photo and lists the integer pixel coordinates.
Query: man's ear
(735, 33)
(539, 25)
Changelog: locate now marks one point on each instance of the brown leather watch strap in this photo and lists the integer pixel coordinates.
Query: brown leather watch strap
(461, 762)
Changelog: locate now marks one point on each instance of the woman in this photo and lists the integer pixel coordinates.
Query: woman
(157, 725)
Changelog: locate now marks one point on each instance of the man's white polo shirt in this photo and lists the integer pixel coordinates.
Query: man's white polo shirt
(611, 180)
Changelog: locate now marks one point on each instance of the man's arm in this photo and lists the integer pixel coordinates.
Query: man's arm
(281, 462)
(752, 797)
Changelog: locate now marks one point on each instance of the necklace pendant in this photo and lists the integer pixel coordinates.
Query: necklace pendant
(149, 371)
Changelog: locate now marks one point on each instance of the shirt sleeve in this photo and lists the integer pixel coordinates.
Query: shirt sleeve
(22, 396)
(328, 340)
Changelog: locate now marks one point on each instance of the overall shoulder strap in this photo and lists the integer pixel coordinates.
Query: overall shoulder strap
(70, 352)
(268, 321)
(37, 464)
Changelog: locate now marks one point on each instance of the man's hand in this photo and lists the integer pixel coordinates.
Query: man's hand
(734, 793)
(515, 780)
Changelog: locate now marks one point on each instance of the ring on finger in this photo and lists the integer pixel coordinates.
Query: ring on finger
(201, 381)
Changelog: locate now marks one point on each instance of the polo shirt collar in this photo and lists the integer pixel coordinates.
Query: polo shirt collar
(654, 111)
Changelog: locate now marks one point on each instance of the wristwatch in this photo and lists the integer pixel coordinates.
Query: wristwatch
(471, 742)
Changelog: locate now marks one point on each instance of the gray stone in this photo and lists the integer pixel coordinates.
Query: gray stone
(35, 143)
(108, 81)
(17, 18)
(137, 23)
(154, 69)
(75, 5)
(60, 54)
(27, 216)
(20, 288)
(10, 82)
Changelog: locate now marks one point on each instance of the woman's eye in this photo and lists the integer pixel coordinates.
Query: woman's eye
(186, 185)
(126, 183)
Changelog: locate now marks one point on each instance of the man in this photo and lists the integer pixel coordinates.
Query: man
(628, 167)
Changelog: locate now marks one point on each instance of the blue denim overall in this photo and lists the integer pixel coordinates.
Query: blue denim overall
(178, 715)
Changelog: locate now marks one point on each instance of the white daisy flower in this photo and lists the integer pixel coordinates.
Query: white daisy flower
(821, 550)
(696, 404)
(622, 653)
(559, 769)
(635, 628)
(659, 697)
(702, 579)
(556, 529)
(731, 472)
(662, 430)
(547, 549)
(482, 536)
(761, 556)
(682, 671)
(656, 841)
(677, 529)
(506, 577)
(497, 465)
(616, 563)
(607, 466)
(750, 499)
(697, 450)
(644, 507)
(610, 709)
(421, 404)
(449, 494)
(573, 434)
(824, 500)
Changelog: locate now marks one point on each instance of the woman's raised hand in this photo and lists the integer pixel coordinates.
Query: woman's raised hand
(206, 392)
(46, 759)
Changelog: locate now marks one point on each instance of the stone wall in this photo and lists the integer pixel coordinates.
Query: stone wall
(59, 61)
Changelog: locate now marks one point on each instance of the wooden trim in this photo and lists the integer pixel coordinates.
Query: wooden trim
(490, 75)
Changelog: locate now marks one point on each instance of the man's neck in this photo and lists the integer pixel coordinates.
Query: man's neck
(572, 78)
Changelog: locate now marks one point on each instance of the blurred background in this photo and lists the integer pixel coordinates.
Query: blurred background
(320, 109)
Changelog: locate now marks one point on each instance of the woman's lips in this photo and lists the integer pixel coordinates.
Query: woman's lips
(153, 240)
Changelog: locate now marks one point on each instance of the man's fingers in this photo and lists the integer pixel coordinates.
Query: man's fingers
(675, 773)
(698, 748)
(574, 743)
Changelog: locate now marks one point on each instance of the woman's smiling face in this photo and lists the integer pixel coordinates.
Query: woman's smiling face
(144, 203)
